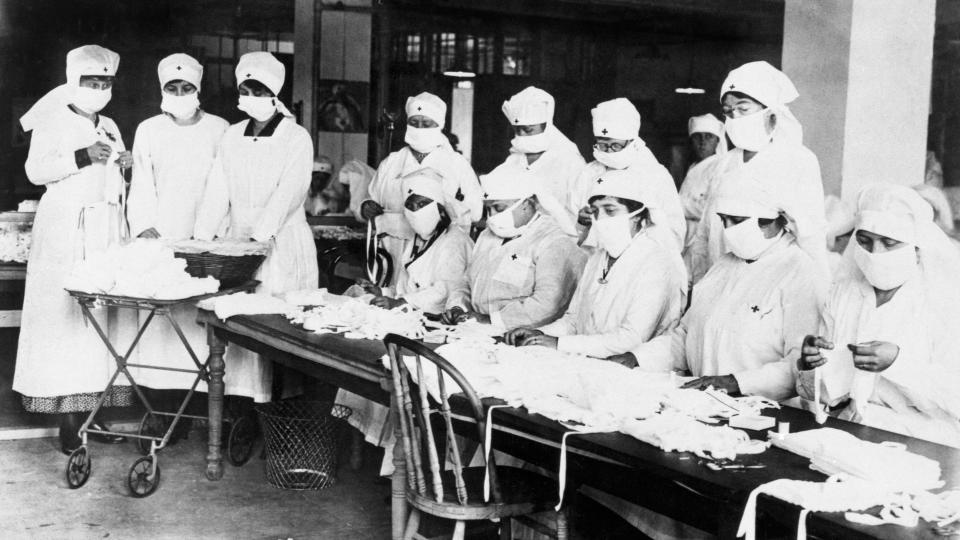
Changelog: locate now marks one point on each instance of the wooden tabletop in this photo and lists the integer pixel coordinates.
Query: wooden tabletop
(620, 463)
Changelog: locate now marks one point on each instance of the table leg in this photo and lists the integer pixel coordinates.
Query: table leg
(215, 364)
(398, 482)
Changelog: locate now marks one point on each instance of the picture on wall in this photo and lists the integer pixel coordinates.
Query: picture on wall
(342, 106)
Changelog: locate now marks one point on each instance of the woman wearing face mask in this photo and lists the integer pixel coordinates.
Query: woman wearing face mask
(427, 147)
(540, 149)
(77, 155)
(616, 128)
(742, 331)
(523, 269)
(768, 141)
(887, 349)
(435, 259)
(257, 184)
(632, 288)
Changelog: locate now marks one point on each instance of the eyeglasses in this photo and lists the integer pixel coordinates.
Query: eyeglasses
(611, 146)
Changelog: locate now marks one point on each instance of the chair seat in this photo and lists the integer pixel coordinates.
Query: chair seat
(524, 492)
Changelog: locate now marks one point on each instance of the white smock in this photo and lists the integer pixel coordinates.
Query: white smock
(525, 281)
(791, 173)
(464, 199)
(643, 297)
(259, 184)
(170, 168)
(672, 228)
(693, 199)
(426, 280)
(747, 320)
(58, 353)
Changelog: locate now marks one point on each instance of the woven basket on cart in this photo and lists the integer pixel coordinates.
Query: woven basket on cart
(302, 440)
(231, 270)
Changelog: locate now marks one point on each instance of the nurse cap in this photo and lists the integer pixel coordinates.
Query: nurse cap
(262, 67)
(762, 82)
(91, 60)
(425, 182)
(530, 107)
(182, 67)
(741, 194)
(429, 105)
(705, 123)
(616, 119)
(893, 211)
(624, 184)
(506, 183)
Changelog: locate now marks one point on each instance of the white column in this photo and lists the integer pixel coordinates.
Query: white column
(461, 116)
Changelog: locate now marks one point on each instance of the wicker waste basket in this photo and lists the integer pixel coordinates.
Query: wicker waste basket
(302, 440)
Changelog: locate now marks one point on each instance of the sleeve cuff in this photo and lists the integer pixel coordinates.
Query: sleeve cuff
(81, 158)
(496, 319)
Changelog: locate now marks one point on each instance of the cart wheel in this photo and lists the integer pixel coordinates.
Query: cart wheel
(151, 425)
(144, 477)
(240, 443)
(78, 468)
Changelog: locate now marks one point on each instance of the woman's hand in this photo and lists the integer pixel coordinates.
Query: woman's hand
(370, 210)
(626, 359)
(454, 315)
(387, 303)
(149, 233)
(874, 356)
(585, 216)
(99, 152)
(125, 161)
(727, 383)
(369, 288)
(810, 356)
(517, 336)
(542, 340)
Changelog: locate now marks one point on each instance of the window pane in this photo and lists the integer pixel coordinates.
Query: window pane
(516, 55)
(485, 55)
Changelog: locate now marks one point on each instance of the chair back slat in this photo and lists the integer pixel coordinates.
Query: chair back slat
(420, 439)
(453, 447)
(430, 443)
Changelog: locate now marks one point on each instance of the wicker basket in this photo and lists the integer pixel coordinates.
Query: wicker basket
(231, 270)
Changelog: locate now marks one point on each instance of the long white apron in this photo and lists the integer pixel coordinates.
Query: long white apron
(58, 353)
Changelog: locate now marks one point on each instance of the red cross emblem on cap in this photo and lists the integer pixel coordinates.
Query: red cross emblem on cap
(410, 190)
(419, 108)
(599, 180)
(732, 86)
(179, 68)
(513, 257)
(248, 75)
(105, 70)
(604, 131)
(516, 120)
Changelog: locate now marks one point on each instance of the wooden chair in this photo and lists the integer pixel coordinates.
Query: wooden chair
(427, 436)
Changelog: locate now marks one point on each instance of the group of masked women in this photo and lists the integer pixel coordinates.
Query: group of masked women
(727, 279)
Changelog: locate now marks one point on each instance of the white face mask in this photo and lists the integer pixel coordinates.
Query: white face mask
(91, 100)
(260, 109)
(424, 140)
(181, 107)
(746, 240)
(889, 269)
(424, 221)
(531, 144)
(503, 224)
(749, 132)
(614, 233)
(617, 160)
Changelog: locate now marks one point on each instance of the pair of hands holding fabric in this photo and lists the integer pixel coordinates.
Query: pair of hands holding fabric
(379, 299)
(873, 356)
(99, 152)
(457, 315)
(524, 337)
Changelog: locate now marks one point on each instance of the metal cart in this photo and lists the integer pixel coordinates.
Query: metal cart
(144, 476)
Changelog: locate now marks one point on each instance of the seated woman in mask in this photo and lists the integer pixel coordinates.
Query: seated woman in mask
(523, 269)
(886, 353)
(618, 146)
(743, 329)
(435, 259)
(632, 288)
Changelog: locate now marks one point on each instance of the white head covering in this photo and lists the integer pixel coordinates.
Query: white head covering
(530, 107)
(322, 164)
(425, 182)
(180, 66)
(507, 184)
(896, 212)
(429, 105)
(616, 119)
(705, 123)
(625, 184)
(840, 218)
(264, 68)
(773, 89)
(88, 60)
(742, 194)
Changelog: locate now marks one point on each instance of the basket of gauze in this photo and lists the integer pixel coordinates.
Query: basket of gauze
(233, 262)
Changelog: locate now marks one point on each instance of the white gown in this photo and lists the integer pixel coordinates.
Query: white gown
(672, 229)
(58, 353)
(259, 184)
(460, 184)
(745, 320)
(527, 281)
(642, 298)
(171, 164)
(693, 198)
(426, 281)
(917, 394)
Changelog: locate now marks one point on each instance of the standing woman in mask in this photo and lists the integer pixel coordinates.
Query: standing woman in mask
(768, 142)
(523, 269)
(77, 155)
(749, 313)
(427, 147)
(540, 149)
(258, 184)
(173, 152)
(708, 143)
(887, 349)
(618, 146)
(632, 288)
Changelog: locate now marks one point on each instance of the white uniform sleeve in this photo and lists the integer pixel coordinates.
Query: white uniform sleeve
(805, 378)
(665, 352)
(48, 160)
(375, 190)
(215, 203)
(291, 191)
(672, 207)
(453, 265)
(558, 266)
(142, 202)
(470, 189)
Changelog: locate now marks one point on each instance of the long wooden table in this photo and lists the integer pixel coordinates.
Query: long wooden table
(674, 484)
